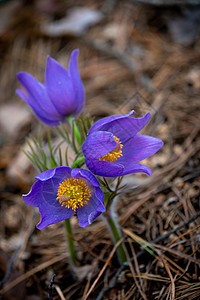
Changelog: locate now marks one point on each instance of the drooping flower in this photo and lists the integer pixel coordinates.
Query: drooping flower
(60, 96)
(113, 147)
(61, 192)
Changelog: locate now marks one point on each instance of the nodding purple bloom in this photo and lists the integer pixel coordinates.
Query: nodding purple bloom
(62, 191)
(113, 147)
(60, 96)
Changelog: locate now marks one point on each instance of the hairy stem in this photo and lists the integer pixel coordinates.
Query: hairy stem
(113, 227)
(70, 241)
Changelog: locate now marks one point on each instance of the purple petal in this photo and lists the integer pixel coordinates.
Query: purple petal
(62, 88)
(131, 168)
(98, 144)
(43, 195)
(46, 188)
(42, 116)
(59, 172)
(140, 147)
(126, 128)
(51, 214)
(100, 195)
(76, 81)
(105, 168)
(46, 175)
(86, 175)
(100, 124)
(88, 213)
(92, 217)
(33, 197)
(37, 97)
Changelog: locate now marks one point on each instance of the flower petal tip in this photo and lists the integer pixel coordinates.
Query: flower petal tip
(40, 225)
(75, 52)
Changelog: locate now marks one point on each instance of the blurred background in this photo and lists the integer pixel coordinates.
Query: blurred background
(141, 55)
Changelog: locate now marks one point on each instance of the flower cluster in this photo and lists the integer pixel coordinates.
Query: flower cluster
(112, 148)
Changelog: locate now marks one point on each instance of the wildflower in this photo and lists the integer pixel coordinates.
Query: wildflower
(62, 94)
(113, 147)
(61, 192)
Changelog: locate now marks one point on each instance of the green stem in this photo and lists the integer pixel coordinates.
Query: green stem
(116, 235)
(75, 129)
(70, 241)
(77, 162)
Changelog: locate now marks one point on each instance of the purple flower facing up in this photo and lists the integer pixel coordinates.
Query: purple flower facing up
(62, 94)
(113, 147)
(61, 192)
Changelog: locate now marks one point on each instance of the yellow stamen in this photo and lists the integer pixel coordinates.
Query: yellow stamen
(73, 193)
(115, 153)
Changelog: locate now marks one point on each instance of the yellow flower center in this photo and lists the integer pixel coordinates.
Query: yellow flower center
(115, 153)
(73, 193)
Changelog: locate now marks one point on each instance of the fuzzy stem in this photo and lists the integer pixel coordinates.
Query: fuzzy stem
(113, 227)
(70, 241)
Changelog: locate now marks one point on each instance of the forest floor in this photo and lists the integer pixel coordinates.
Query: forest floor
(132, 56)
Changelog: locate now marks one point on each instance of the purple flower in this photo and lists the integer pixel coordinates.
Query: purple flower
(113, 147)
(61, 192)
(62, 94)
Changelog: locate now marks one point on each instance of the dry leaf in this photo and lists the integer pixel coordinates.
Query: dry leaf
(75, 23)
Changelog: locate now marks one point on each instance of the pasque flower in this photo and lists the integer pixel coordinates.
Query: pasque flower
(60, 96)
(113, 147)
(62, 191)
